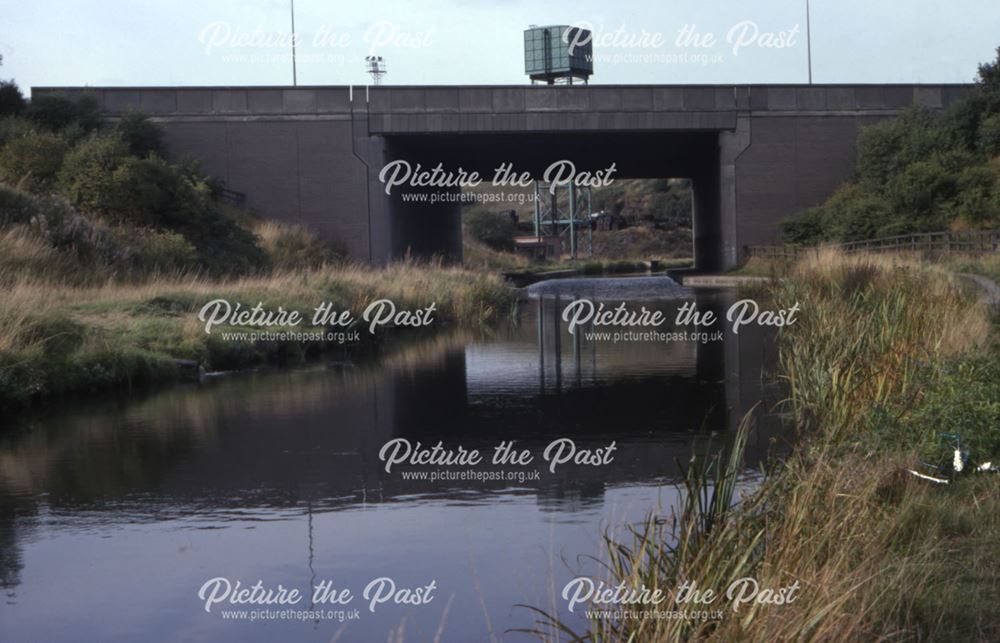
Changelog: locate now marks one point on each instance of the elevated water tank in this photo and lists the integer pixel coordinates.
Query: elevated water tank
(558, 54)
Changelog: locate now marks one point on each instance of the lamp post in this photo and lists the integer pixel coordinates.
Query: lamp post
(295, 78)
(375, 65)
(809, 57)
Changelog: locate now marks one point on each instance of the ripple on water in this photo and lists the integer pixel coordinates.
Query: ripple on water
(614, 288)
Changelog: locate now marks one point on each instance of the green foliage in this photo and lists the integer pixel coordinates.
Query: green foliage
(988, 140)
(142, 136)
(885, 149)
(989, 74)
(100, 176)
(978, 194)
(12, 127)
(665, 202)
(670, 208)
(12, 100)
(851, 213)
(147, 251)
(176, 222)
(808, 227)
(57, 113)
(919, 172)
(962, 397)
(87, 175)
(920, 187)
(494, 229)
(32, 161)
(15, 206)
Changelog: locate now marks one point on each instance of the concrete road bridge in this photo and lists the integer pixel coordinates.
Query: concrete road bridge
(312, 155)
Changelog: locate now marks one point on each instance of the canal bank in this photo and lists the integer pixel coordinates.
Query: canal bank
(278, 475)
(888, 354)
(60, 340)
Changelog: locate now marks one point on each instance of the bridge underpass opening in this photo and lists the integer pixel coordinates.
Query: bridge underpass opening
(422, 228)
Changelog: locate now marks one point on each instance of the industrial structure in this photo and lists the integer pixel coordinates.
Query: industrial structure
(558, 54)
(562, 212)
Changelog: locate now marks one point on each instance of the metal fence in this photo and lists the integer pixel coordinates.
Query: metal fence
(232, 197)
(930, 243)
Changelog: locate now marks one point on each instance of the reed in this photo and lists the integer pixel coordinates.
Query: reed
(878, 554)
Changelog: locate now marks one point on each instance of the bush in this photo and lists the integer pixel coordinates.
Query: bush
(988, 140)
(100, 176)
(806, 228)
(57, 112)
(145, 250)
(12, 127)
(15, 206)
(922, 171)
(87, 176)
(495, 230)
(11, 99)
(978, 199)
(921, 188)
(142, 136)
(671, 210)
(32, 161)
(964, 396)
(888, 147)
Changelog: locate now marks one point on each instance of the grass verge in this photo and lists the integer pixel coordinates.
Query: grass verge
(60, 339)
(887, 354)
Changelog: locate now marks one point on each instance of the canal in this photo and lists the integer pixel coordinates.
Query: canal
(126, 507)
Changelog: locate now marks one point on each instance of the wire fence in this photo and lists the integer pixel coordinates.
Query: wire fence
(928, 243)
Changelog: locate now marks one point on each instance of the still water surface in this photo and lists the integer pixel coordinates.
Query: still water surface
(114, 513)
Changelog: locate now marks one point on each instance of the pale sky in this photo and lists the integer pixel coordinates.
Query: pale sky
(245, 42)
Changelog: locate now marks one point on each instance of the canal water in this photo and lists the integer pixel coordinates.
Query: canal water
(115, 513)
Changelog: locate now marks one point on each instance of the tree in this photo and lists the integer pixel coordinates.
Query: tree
(989, 73)
(11, 99)
(493, 229)
(32, 161)
(142, 136)
(87, 172)
(58, 112)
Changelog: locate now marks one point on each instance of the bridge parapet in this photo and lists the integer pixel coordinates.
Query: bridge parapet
(332, 100)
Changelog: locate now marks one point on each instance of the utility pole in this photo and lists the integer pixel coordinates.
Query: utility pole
(295, 77)
(809, 55)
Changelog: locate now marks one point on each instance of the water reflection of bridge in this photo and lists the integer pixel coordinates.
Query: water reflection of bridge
(262, 443)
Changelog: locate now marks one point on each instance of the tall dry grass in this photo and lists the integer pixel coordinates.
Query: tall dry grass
(58, 338)
(837, 515)
(869, 323)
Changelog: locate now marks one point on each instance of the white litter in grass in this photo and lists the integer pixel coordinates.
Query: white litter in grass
(926, 477)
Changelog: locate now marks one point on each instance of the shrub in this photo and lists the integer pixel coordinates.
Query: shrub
(670, 210)
(33, 160)
(978, 198)
(851, 213)
(15, 206)
(58, 112)
(87, 175)
(12, 127)
(100, 176)
(806, 228)
(11, 99)
(145, 250)
(921, 171)
(886, 148)
(921, 187)
(142, 136)
(988, 140)
(495, 230)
